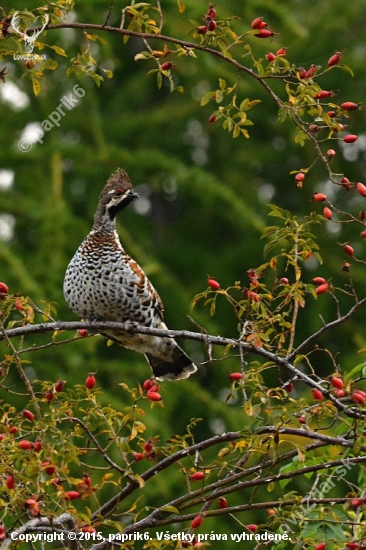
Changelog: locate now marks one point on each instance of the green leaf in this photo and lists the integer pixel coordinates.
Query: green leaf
(300, 138)
(244, 104)
(59, 51)
(346, 68)
(236, 132)
(222, 84)
(206, 98)
(298, 360)
(170, 509)
(219, 96)
(108, 73)
(36, 86)
(142, 55)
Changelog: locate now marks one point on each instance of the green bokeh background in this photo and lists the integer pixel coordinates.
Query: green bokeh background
(205, 193)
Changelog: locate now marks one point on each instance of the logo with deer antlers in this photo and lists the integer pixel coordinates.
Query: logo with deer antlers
(29, 40)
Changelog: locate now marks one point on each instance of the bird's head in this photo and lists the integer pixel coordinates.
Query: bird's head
(115, 196)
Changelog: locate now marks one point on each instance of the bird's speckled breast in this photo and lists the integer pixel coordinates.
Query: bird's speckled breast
(103, 283)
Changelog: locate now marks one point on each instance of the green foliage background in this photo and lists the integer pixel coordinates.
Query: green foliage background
(206, 192)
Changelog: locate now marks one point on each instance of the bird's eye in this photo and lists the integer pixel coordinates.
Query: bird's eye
(118, 192)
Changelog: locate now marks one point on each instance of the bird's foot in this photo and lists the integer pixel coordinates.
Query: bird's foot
(130, 326)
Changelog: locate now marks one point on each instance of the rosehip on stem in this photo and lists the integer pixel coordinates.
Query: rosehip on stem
(314, 128)
(59, 386)
(90, 381)
(196, 522)
(331, 153)
(281, 51)
(265, 33)
(318, 280)
(348, 249)
(166, 66)
(323, 94)
(211, 25)
(222, 502)
(25, 445)
(258, 23)
(350, 106)
(300, 176)
(361, 189)
(337, 382)
(211, 12)
(345, 183)
(213, 283)
(319, 197)
(50, 395)
(270, 57)
(317, 394)
(335, 59)
(28, 414)
(327, 213)
(322, 288)
(148, 446)
(10, 483)
(153, 396)
(350, 138)
(289, 387)
(4, 288)
(197, 476)
(71, 495)
(311, 71)
(359, 397)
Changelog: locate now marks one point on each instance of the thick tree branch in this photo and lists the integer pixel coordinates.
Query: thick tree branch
(212, 340)
(326, 327)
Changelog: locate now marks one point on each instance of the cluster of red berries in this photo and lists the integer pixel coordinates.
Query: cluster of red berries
(273, 56)
(32, 504)
(210, 21)
(349, 545)
(152, 389)
(322, 285)
(357, 396)
(149, 451)
(260, 26)
(345, 182)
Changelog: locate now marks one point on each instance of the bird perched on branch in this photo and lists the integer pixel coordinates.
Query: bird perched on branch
(103, 283)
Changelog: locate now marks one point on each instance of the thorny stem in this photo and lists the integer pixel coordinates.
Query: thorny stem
(95, 441)
(22, 374)
(214, 340)
(297, 279)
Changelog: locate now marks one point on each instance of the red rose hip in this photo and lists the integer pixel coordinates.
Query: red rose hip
(317, 394)
(213, 284)
(350, 138)
(90, 381)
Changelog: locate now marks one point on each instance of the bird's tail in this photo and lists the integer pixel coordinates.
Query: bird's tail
(177, 367)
